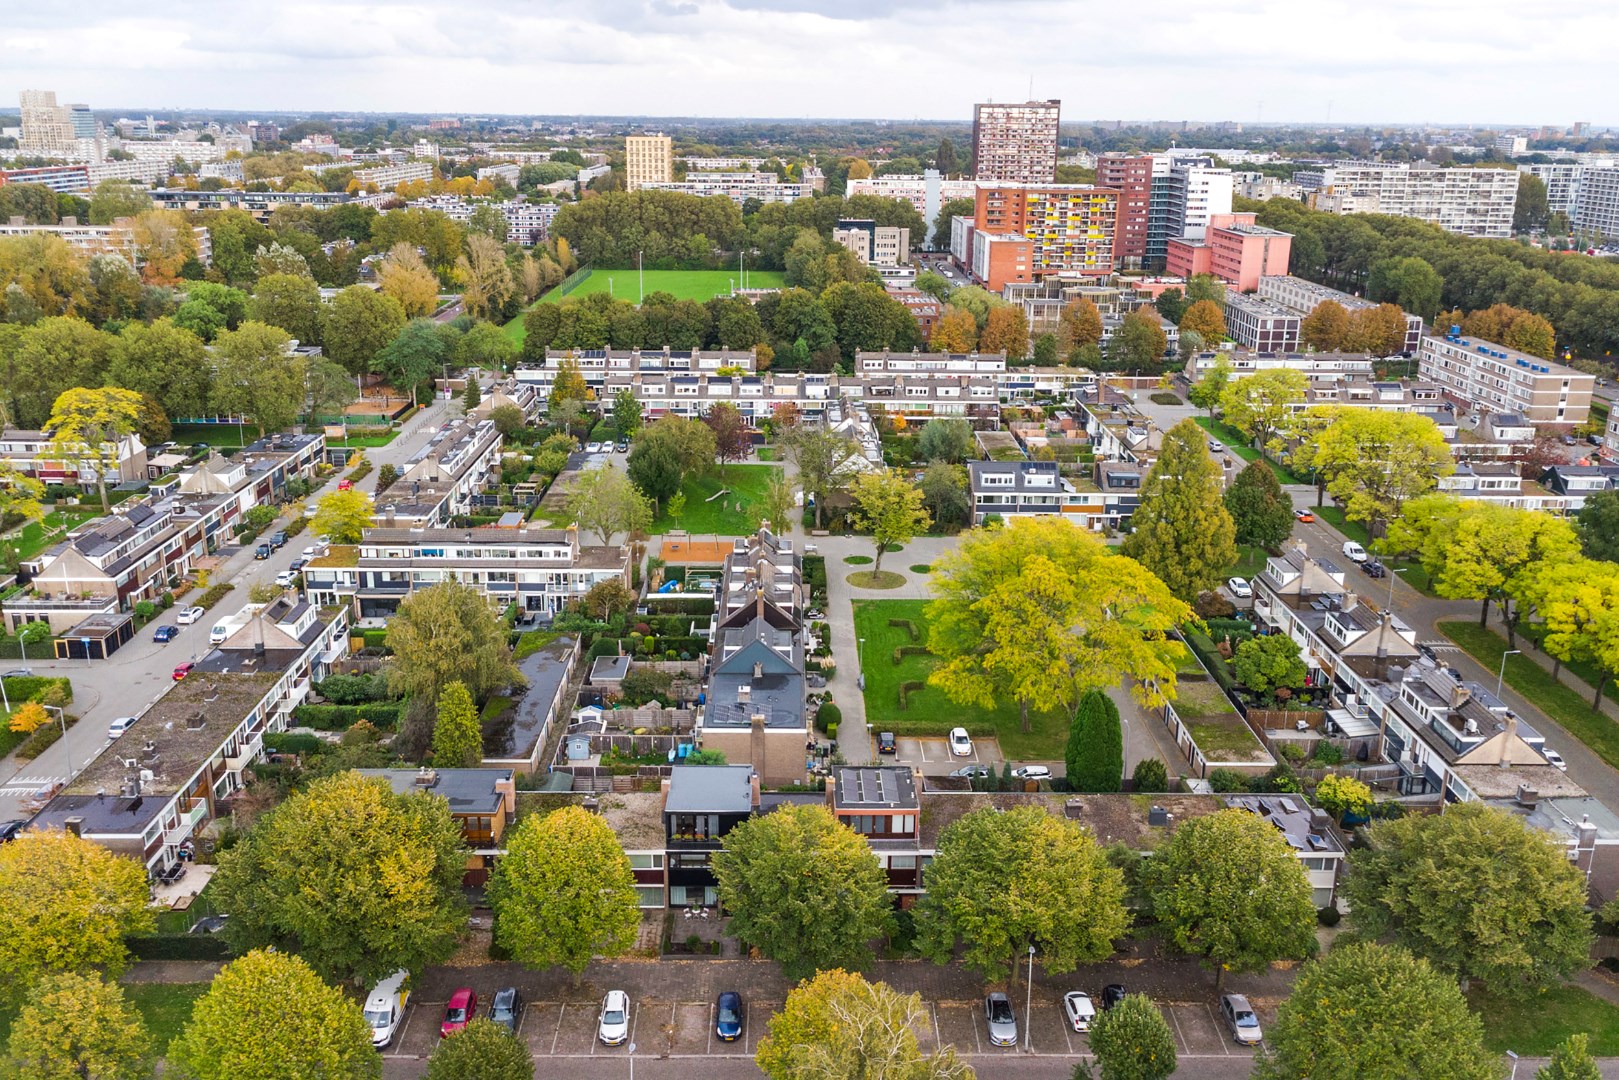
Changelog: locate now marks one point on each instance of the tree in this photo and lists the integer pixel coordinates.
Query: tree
(825, 462)
(508, 420)
(1132, 1041)
(457, 738)
(486, 280)
(1079, 325)
(626, 413)
(291, 302)
(404, 277)
(1476, 892)
(360, 323)
(1531, 334)
(257, 377)
(448, 633)
(955, 332)
(20, 496)
(1006, 330)
(486, 346)
(1181, 531)
(1260, 404)
(330, 388)
(1325, 327)
(569, 384)
(67, 906)
(730, 430)
(1268, 663)
(605, 502)
(607, 598)
(804, 889)
(87, 428)
(945, 159)
(1172, 304)
(945, 493)
(418, 352)
(838, 1026)
(1228, 888)
(1139, 342)
(1376, 461)
(1529, 213)
(1004, 881)
(317, 1030)
(77, 1027)
(1205, 287)
(1599, 525)
(483, 1050)
(1340, 795)
(888, 506)
(948, 211)
(1370, 1012)
(166, 362)
(1207, 391)
(164, 243)
(666, 453)
(949, 439)
(1378, 330)
(563, 893)
(29, 717)
(1571, 1059)
(1260, 511)
(1204, 319)
(114, 199)
(344, 515)
(1410, 282)
(780, 505)
(52, 356)
(1042, 610)
(1578, 601)
(935, 285)
(1095, 753)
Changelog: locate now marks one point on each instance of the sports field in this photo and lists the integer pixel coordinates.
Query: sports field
(682, 284)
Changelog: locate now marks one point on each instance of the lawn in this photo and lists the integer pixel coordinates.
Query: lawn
(1534, 1026)
(364, 441)
(1250, 562)
(164, 1007)
(219, 436)
(1352, 530)
(1534, 682)
(36, 536)
(1234, 440)
(721, 516)
(930, 712)
(682, 284)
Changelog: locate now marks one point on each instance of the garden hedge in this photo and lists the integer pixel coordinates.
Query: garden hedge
(902, 651)
(213, 595)
(908, 626)
(178, 947)
(906, 689)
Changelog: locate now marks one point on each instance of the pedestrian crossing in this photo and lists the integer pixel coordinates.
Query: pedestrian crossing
(27, 785)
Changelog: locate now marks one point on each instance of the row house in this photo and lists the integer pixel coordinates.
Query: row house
(35, 454)
(483, 804)
(1576, 483)
(1500, 483)
(150, 792)
(539, 570)
(441, 479)
(596, 365)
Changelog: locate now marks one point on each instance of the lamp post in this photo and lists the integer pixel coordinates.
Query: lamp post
(1514, 1058)
(862, 656)
(61, 718)
(1502, 674)
(1028, 1001)
(1392, 572)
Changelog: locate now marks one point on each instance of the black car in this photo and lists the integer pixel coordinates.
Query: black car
(209, 924)
(262, 551)
(507, 1008)
(886, 743)
(1373, 568)
(278, 539)
(1112, 994)
(298, 564)
(10, 829)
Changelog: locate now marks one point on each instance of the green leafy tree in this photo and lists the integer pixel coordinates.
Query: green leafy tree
(626, 413)
(1139, 342)
(1599, 525)
(564, 893)
(1530, 212)
(1260, 511)
(457, 738)
(838, 1026)
(290, 301)
(1229, 889)
(950, 439)
(825, 462)
(1370, 1012)
(1477, 892)
(418, 352)
(1268, 663)
(360, 322)
(66, 904)
(605, 502)
(945, 493)
(1172, 304)
(49, 357)
(950, 208)
(166, 362)
(889, 507)
(1578, 601)
(1095, 754)
(77, 1027)
(1259, 404)
(487, 346)
(1408, 281)
(257, 377)
(483, 1050)
(317, 1029)
(472, 395)
(1205, 287)
(114, 199)
(1132, 1041)
(307, 877)
(448, 633)
(1004, 881)
(1376, 461)
(804, 889)
(780, 504)
(343, 515)
(508, 420)
(667, 453)
(330, 387)
(1206, 392)
(1181, 530)
(1571, 1060)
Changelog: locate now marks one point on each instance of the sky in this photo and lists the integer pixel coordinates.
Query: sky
(1347, 61)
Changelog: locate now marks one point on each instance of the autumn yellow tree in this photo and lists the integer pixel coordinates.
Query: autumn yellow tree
(1204, 318)
(1325, 326)
(87, 426)
(838, 1026)
(405, 277)
(343, 515)
(163, 241)
(1006, 330)
(29, 717)
(955, 332)
(486, 280)
(1079, 325)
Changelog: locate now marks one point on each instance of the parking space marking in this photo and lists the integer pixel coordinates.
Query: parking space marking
(1218, 1028)
(933, 1008)
(1185, 1046)
(972, 1016)
(558, 1035)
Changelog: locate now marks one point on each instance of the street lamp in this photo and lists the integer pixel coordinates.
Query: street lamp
(861, 681)
(62, 719)
(1514, 1058)
(1392, 572)
(1028, 1001)
(1502, 674)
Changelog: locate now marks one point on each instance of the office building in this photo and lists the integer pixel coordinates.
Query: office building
(1016, 142)
(648, 159)
(873, 244)
(1596, 203)
(48, 128)
(1056, 229)
(1303, 296)
(1131, 176)
(1482, 375)
(1470, 202)
(1233, 249)
(1260, 324)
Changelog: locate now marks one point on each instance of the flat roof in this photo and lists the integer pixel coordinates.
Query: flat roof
(880, 787)
(709, 789)
(469, 791)
(1295, 818)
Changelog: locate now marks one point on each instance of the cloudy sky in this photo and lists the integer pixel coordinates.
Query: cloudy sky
(1441, 61)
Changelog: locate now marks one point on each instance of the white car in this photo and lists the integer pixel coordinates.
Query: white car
(119, 726)
(1032, 772)
(1239, 588)
(189, 615)
(961, 743)
(614, 1026)
(1553, 758)
(385, 1007)
(1077, 1006)
(286, 578)
(309, 552)
(1354, 552)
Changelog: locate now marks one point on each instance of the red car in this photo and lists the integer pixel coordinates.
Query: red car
(1304, 515)
(183, 670)
(462, 1008)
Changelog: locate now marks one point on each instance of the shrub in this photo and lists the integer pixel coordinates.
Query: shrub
(287, 742)
(43, 738)
(387, 476)
(214, 594)
(145, 609)
(903, 651)
(1328, 916)
(1211, 605)
(1164, 397)
(857, 560)
(906, 689)
(34, 687)
(178, 947)
(360, 471)
(827, 717)
(376, 638)
(1150, 775)
(1228, 781)
(353, 689)
(906, 625)
(1326, 753)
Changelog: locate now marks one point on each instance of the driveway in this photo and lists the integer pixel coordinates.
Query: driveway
(932, 756)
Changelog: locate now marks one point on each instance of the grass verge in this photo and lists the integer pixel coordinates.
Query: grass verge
(1352, 530)
(1535, 1026)
(1235, 441)
(1250, 562)
(164, 1008)
(876, 579)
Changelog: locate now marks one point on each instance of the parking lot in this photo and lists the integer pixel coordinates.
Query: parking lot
(932, 754)
(686, 1029)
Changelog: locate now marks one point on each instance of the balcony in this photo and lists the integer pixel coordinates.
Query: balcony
(190, 818)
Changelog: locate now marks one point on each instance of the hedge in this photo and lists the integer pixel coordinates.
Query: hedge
(375, 638)
(902, 651)
(22, 688)
(688, 605)
(908, 626)
(380, 714)
(360, 471)
(214, 595)
(937, 728)
(906, 689)
(828, 717)
(296, 526)
(287, 742)
(179, 947)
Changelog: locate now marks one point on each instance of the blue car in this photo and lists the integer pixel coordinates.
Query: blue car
(728, 1016)
(165, 634)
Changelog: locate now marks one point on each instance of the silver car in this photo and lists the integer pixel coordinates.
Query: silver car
(1240, 1019)
(1002, 1021)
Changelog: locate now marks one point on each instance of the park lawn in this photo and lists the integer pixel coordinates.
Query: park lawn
(164, 1007)
(699, 285)
(930, 711)
(1352, 530)
(1534, 1026)
(1563, 704)
(706, 514)
(354, 442)
(219, 436)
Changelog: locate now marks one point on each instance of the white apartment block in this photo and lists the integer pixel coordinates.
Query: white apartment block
(1260, 324)
(738, 187)
(193, 151)
(1303, 297)
(150, 172)
(48, 128)
(722, 164)
(116, 239)
(1262, 188)
(441, 479)
(508, 173)
(1596, 203)
(1196, 192)
(648, 159)
(927, 192)
(1485, 376)
(1315, 366)
(596, 365)
(387, 177)
(873, 244)
(1471, 202)
(1562, 180)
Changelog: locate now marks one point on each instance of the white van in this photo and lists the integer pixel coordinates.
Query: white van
(1354, 552)
(385, 1007)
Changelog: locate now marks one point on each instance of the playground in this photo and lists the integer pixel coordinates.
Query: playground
(723, 503)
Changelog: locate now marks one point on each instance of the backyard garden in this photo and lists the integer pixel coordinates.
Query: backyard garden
(706, 511)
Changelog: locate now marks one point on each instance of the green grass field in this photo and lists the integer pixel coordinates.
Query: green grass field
(164, 1008)
(682, 284)
(1533, 1027)
(746, 484)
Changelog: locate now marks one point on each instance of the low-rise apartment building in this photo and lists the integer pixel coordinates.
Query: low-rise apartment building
(1481, 375)
(1260, 324)
(1303, 297)
(873, 244)
(260, 204)
(1317, 367)
(595, 365)
(1233, 249)
(739, 187)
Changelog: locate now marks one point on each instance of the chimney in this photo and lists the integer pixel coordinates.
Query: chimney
(1459, 695)
(426, 777)
(753, 789)
(1509, 735)
(1527, 796)
(75, 825)
(758, 669)
(388, 514)
(756, 742)
(1349, 601)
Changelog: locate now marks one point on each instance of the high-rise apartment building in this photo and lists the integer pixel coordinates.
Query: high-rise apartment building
(47, 128)
(1016, 142)
(648, 159)
(1562, 180)
(1470, 202)
(1131, 176)
(1596, 202)
(1069, 228)
(1186, 191)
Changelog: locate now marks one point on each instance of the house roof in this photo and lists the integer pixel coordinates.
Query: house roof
(709, 789)
(469, 791)
(879, 788)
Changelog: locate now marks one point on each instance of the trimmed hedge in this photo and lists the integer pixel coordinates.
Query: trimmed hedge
(21, 688)
(902, 651)
(908, 626)
(360, 471)
(43, 737)
(383, 715)
(906, 689)
(214, 595)
(375, 638)
(287, 742)
(179, 947)
(935, 728)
